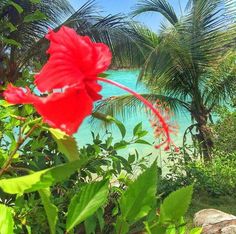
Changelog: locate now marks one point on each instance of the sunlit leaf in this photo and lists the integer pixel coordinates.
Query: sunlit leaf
(6, 220)
(196, 231)
(41, 179)
(86, 203)
(66, 144)
(17, 7)
(11, 42)
(176, 204)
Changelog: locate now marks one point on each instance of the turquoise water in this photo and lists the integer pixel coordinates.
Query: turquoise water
(129, 79)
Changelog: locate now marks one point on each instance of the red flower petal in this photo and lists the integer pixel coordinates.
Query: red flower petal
(65, 111)
(73, 60)
(92, 89)
(17, 95)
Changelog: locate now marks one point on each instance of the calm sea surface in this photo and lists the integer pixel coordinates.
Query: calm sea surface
(129, 79)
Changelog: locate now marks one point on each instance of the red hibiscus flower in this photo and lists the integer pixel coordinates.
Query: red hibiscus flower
(74, 64)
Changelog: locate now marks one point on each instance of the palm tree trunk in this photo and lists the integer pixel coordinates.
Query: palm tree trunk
(206, 142)
(204, 135)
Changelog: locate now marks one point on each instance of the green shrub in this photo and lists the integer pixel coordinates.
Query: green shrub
(224, 132)
(217, 177)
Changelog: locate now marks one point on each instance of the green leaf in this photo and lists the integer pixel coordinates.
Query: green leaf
(137, 129)
(11, 42)
(181, 226)
(122, 227)
(86, 203)
(36, 16)
(171, 230)
(6, 220)
(41, 179)
(103, 75)
(66, 144)
(17, 7)
(11, 26)
(119, 124)
(121, 145)
(176, 205)
(35, 1)
(131, 158)
(50, 209)
(157, 228)
(90, 225)
(137, 200)
(196, 231)
(139, 141)
(100, 218)
(5, 104)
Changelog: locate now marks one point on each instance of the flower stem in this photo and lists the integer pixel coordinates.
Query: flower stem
(148, 104)
(18, 145)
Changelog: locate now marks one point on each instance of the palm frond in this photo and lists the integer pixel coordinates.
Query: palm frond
(220, 81)
(27, 33)
(124, 106)
(82, 17)
(211, 28)
(160, 6)
(122, 36)
(169, 66)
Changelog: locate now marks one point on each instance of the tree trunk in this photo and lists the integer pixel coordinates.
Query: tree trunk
(205, 134)
(205, 140)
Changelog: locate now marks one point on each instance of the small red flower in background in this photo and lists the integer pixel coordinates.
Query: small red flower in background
(74, 66)
(167, 115)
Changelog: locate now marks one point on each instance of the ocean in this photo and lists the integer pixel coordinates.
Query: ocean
(129, 79)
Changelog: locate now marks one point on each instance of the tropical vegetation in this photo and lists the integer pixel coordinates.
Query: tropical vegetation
(49, 182)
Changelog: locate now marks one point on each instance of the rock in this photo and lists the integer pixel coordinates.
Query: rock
(223, 227)
(231, 229)
(215, 222)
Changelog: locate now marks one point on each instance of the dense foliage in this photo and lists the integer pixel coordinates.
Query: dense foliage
(216, 178)
(51, 184)
(224, 131)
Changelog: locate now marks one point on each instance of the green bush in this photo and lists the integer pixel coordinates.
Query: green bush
(224, 131)
(217, 177)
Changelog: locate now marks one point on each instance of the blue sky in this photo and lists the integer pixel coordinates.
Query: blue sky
(124, 6)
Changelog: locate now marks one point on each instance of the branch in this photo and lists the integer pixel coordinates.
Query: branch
(18, 145)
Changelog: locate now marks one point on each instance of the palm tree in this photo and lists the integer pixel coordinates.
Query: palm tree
(191, 63)
(26, 23)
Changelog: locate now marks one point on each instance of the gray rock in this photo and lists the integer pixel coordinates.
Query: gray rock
(231, 229)
(215, 222)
